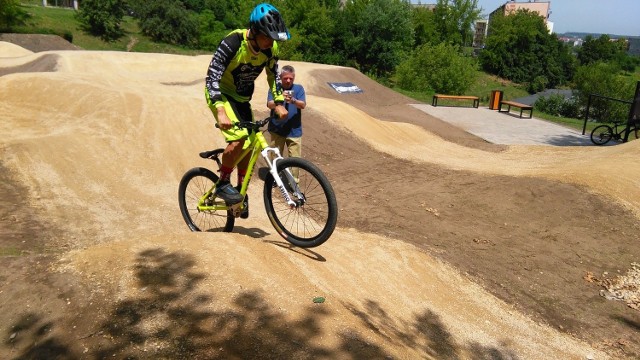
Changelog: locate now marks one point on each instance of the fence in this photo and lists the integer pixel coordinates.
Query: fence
(605, 112)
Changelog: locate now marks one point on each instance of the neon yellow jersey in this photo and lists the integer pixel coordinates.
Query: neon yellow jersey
(234, 69)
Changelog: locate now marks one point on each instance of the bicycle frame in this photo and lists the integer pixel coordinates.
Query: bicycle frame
(257, 146)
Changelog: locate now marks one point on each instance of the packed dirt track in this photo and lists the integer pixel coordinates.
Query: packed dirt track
(447, 247)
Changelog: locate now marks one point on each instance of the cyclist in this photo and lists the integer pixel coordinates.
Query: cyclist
(238, 61)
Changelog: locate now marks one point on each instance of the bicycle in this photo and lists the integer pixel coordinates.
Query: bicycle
(602, 134)
(299, 200)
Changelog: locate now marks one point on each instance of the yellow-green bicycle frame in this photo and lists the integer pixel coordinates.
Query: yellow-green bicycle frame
(257, 145)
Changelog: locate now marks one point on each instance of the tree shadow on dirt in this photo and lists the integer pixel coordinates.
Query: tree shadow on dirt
(633, 324)
(173, 315)
(31, 332)
(426, 332)
(176, 318)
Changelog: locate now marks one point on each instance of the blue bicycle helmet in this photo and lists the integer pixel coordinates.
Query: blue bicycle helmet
(265, 18)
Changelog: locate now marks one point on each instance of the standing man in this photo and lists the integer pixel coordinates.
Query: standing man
(288, 132)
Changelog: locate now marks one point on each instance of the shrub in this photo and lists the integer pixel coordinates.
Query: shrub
(602, 79)
(102, 17)
(538, 84)
(11, 14)
(558, 105)
(437, 68)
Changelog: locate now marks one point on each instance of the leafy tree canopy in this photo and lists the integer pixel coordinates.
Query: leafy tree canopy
(520, 48)
(440, 68)
(379, 35)
(601, 49)
(102, 18)
(454, 20)
(168, 21)
(11, 14)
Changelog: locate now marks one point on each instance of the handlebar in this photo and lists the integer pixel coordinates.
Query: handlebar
(251, 125)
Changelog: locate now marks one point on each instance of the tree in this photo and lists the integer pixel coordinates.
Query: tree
(424, 26)
(601, 49)
(437, 68)
(11, 14)
(453, 20)
(602, 79)
(379, 34)
(102, 17)
(167, 21)
(314, 36)
(520, 48)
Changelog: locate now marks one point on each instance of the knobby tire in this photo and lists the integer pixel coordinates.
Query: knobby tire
(312, 222)
(194, 184)
(601, 134)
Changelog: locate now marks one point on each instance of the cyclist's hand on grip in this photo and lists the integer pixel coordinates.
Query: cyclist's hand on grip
(223, 120)
(281, 111)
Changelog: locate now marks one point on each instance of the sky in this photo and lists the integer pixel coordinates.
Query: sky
(613, 17)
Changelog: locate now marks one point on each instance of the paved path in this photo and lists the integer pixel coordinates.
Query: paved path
(507, 129)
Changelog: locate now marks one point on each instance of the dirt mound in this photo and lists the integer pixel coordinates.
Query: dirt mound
(44, 63)
(445, 248)
(38, 42)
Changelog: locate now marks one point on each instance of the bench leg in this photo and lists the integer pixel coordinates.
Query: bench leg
(476, 103)
(434, 102)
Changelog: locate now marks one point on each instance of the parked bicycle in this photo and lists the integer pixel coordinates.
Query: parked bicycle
(604, 133)
(299, 200)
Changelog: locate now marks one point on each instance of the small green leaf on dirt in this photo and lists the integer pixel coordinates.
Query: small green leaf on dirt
(318, 300)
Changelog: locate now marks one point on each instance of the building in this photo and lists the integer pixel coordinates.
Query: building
(431, 7)
(480, 29)
(61, 3)
(543, 8)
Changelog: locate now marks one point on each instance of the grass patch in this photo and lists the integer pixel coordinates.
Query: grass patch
(576, 124)
(62, 22)
(9, 251)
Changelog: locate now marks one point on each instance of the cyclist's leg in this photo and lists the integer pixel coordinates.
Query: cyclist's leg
(235, 141)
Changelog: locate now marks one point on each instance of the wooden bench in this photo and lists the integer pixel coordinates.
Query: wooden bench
(522, 107)
(476, 100)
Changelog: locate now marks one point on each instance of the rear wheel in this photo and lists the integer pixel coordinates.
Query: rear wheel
(601, 134)
(311, 221)
(194, 184)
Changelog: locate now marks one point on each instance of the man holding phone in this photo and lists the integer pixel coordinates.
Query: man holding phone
(288, 131)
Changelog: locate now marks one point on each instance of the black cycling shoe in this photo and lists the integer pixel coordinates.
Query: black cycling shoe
(228, 193)
(245, 211)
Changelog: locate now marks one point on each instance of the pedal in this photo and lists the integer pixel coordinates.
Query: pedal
(235, 209)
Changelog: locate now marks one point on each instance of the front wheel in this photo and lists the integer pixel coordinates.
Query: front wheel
(312, 219)
(601, 134)
(202, 212)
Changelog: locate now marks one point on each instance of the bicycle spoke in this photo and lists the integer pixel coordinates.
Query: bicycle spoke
(312, 219)
(193, 186)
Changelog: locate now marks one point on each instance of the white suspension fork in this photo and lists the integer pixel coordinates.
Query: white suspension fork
(272, 162)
